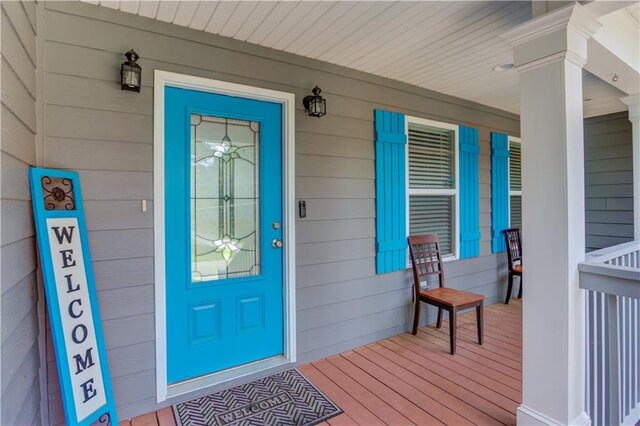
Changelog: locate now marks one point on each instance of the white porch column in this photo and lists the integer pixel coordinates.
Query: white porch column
(633, 102)
(549, 53)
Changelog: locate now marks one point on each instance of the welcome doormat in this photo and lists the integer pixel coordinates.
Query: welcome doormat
(286, 398)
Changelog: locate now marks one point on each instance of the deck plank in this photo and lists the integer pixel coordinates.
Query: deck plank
(492, 345)
(510, 331)
(407, 379)
(486, 377)
(342, 420)
(498, 340)
(471, 356)
(422, 400)
(443, 391)
(444, 407)
(148, 419)
(367, 398)
(441, 379)
(464, 357)
(412, 412)
(497, 330)
(488, 348)
(498, 316)
(494, 336)
(475, 382)
(513, 309)
(358, 412)
(165, 417)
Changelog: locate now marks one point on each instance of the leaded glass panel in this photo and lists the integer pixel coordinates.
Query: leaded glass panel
(224, 198)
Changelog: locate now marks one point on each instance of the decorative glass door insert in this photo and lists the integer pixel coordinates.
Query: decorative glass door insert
(225, 239)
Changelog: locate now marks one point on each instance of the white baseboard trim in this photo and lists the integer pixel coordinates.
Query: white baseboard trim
(527, 416)
(582, 420)
(633, 417)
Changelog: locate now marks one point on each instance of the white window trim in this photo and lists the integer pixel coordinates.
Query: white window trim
(455, 192)
(511, 193)
(287, 100)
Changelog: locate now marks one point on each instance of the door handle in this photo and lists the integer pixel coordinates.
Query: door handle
(276, 243)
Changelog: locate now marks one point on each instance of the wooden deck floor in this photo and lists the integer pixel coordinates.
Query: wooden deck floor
(409, 379)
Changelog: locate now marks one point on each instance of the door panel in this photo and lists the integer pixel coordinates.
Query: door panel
(223, 204)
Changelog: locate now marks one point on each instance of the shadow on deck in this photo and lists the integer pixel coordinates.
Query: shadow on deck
(409, 379)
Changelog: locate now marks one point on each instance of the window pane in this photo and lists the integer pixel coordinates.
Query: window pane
(224, 198)
(516, 211)
(515, 167)
(431, 157)
(433, 214)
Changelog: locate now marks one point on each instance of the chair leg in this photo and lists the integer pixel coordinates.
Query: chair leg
(416, 318)
(439, 323)
(509, 289)
(453, 314)
(480, 319)
(520, 292)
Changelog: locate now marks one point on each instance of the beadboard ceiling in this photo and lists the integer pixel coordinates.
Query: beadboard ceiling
(450, 47)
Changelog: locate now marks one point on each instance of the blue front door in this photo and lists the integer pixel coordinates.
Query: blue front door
(223, 216)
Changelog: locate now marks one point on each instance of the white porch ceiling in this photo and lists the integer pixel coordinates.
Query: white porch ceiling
(449, 47)
(634, 11)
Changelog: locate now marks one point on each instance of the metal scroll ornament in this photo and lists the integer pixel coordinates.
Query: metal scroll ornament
(58, 193)
(104, 420)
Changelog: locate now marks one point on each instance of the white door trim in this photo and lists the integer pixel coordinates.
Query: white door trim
(287, 100)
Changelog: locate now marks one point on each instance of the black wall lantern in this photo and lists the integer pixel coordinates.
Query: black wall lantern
(315, 104)
(131, 73)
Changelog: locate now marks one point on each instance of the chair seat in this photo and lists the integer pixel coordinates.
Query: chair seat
(451, 296)
(517, 269)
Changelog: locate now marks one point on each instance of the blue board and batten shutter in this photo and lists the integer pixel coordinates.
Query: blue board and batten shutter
(391, 199)
(499, 190)
(469, 196)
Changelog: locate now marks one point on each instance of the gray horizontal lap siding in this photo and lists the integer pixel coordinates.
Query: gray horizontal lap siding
(608, 180)
(105, 133)
(20, 362)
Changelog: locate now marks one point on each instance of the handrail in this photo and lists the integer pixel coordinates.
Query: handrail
(609, 253)
(613, 270)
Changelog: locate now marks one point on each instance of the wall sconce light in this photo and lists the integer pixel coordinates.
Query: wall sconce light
(315, 104)
(131, 73)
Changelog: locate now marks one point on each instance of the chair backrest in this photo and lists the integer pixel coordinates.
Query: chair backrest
(425, 258)
(514, 245)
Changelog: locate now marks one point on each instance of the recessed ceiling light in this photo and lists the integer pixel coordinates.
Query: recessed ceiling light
(503, 67)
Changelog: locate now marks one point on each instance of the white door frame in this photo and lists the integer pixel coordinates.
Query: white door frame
(287, 100)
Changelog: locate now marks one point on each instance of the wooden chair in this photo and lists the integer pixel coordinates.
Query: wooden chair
(427, 262)
(514, 256)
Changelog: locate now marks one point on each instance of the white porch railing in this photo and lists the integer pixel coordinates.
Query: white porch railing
(611, 277)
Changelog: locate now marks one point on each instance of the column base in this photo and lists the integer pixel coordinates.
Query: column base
(527, 416)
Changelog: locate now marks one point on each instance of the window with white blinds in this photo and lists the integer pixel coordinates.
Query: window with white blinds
(432, 181)
(431, 157)
(515, 207)
(515, 183)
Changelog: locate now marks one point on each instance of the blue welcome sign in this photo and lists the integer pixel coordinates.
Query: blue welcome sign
(71, 297)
